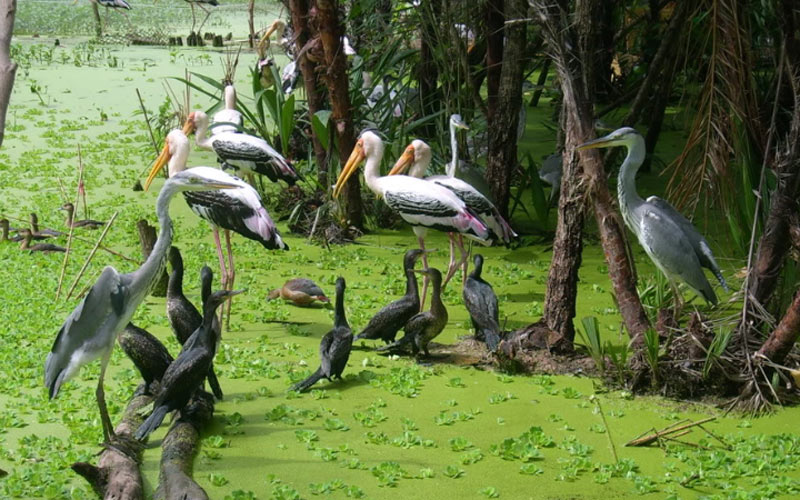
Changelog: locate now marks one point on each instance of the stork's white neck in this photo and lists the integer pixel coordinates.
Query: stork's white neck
(372, 168)
(180, 155)
(230, 97)
(451, 169)
(201, 129)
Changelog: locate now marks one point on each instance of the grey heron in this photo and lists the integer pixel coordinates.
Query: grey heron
(421, 203)
(669, 239)
(335, 346)
(90, 330)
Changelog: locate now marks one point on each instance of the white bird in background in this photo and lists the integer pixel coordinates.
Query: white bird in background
(91, 329)
(420, 203)
(244, 153)
(228, 119)
(239, 210)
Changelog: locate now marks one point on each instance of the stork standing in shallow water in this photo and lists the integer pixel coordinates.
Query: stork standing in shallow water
(239, 210)
(669, 239)
(92, 328)
(420, 203)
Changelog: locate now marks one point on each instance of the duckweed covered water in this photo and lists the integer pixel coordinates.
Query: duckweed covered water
(392, 427)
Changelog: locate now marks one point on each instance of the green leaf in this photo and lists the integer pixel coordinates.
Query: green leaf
(287, 123)
(319, 124)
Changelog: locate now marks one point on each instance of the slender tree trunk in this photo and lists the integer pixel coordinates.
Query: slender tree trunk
(782, 339)
(335, 77)
(504, 115)
(428, 73)
(8, 68)
(98, 23)
(314, 95)
(540, 82)
(579, 128)
(598, 39)
(495, 18)
(661, 63)
(251, 12)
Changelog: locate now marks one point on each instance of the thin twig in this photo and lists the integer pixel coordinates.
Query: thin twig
(608, 429)
(71, 229)
(91, 255)
(64, 197)
(147, 121)
(673, 429)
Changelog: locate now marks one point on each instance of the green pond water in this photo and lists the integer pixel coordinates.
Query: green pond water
(392, 428)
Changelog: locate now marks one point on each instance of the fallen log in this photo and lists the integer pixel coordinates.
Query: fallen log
(116, 475)
(178, 449)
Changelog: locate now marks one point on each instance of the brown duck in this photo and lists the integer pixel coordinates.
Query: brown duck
(27, 237)
(301, 291)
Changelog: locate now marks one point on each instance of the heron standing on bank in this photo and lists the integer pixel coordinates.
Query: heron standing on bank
(92, 328)
(670, 240)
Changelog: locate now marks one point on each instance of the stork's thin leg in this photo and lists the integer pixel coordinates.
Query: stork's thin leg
(464, 259)
(208, 13)
(231, 277)
(223, 272)
(194, 19)
(425, 278)
(108, 429)
(451, 267)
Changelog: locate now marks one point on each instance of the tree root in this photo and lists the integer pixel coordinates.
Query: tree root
(116, 475)
(175, 481)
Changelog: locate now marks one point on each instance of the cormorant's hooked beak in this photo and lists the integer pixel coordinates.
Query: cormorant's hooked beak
(353, 162)
(162, 159)
(404, 162)
(602, 142)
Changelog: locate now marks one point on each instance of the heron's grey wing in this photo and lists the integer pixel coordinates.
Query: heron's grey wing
(84, 335)
(671, 250)
(698, 241)
(325, 353)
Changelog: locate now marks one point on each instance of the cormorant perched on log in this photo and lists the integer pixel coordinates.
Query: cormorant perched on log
(183, 317)
(393, 316)
(186, 374)
(301, 291)
(426, 325)
(481, 303)
(148, 354)
(27, 237)
(334, 349)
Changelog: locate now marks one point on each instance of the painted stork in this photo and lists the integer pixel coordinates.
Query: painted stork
(418, 156)
(239, 210)
(244, 153)
(421, 203)
(228, 119)
(90, 331)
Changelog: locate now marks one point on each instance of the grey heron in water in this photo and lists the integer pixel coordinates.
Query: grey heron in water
(91, 329)
(670, 240)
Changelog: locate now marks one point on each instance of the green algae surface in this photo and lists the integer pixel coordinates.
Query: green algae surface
(392, 427)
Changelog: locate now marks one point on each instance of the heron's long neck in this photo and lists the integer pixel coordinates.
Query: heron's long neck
(155, 262)
(372, 172)
(339, 317)
(451, 169)
(629, 199)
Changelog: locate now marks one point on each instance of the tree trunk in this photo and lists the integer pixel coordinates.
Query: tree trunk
(147, 238)
(335, 77)
(314, 95)
(661, 64)
(178, 450)
(782, 339)
(579, 128)
(598, 41)
(494, 52)
(8, 69)
(117, 475)
(540, 82)
(428, 73)
(504, 115)
(98, 23)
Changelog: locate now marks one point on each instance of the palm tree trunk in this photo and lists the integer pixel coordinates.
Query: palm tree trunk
(8, 68)
(428, 73)
(335, 77)
(314, 96)
(494, 52)
(579, 128)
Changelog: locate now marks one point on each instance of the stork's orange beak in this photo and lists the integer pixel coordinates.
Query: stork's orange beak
(353, 162)
(189, 125)
(162, 159)
(404, 162)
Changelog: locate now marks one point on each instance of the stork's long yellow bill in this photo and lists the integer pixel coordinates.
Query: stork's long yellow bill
(405, 161)
(162, 159)
(353, 162)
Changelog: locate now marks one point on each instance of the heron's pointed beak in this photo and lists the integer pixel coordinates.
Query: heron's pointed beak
(353, 162)
(162, 159)
(601, 142)
(461, 125)
(404, 162)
